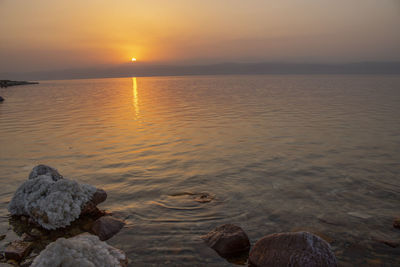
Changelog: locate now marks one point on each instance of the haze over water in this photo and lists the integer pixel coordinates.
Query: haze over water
(277, 153)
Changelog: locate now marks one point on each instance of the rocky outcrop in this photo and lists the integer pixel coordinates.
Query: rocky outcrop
(81, 250)
(7, 83)
(228, 240)
(292, 249)
(53, 201)
(106, 227)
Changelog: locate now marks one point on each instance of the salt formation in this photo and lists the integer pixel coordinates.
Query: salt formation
(49, 199)
(83, 250)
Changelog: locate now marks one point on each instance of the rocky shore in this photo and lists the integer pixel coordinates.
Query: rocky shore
(57, 223)
(8, 83)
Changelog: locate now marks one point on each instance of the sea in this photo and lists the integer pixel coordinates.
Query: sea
(269, 153)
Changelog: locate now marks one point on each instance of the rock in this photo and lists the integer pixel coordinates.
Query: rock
(45, 170)
(17, 250)
(1, 99)
(227, 239)
(292, 249)
(106, 227)
(396, 223)
(51, 200)
(81, 250)
(91, 206)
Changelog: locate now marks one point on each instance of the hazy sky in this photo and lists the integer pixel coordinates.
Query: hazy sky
(50, 34)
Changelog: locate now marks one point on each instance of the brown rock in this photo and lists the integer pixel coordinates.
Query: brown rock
(396, 223)
(91, 206)
(106, 227)
(17, 250)
(292, 249)
(227, 239)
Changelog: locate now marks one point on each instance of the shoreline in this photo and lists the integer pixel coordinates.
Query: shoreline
(8, 83)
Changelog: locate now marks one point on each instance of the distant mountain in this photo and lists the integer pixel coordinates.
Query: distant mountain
(141, 69)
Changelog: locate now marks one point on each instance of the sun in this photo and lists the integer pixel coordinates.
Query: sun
(133, 59)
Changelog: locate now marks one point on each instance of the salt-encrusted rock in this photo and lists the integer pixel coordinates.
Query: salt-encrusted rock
(45, 170)
(292, 249)
(106, 227)
(82, 250)
(17, 250)
(49, 199)
(227, 240)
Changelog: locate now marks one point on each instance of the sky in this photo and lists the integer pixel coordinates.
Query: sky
(55, 35)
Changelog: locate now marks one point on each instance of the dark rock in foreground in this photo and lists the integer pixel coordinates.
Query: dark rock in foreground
(17, 250)
(7, 83)
(106, 227)
(228, 240)
(292, 249)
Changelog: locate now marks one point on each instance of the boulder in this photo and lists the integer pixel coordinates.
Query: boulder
(106, 227)
(292, 249)
(81, 250)
(227, 240)
(51, 200)
(17, 250)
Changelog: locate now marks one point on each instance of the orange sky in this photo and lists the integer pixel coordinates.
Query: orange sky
(48, 34)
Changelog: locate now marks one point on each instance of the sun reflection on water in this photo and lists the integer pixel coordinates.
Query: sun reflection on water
(135, 96)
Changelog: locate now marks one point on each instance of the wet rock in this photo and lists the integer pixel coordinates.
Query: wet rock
(45, 170)
(227, 240)
(17, 250)
(292, 249)
(106, 227)
(91, 206)
(396, 223)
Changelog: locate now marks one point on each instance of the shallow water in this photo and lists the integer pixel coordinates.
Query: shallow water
(276, 153)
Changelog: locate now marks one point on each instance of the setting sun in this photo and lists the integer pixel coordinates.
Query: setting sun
(133, 59)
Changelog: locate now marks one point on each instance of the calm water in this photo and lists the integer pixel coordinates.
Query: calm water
(278, 153)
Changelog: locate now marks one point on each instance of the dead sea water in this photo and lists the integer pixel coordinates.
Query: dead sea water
(271, 153)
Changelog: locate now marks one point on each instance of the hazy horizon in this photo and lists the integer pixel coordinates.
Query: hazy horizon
(45, 35)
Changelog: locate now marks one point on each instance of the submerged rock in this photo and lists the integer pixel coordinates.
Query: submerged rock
(292, 249)
(228, 240)
(82, 250)
(51, 200)
(106, 227)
